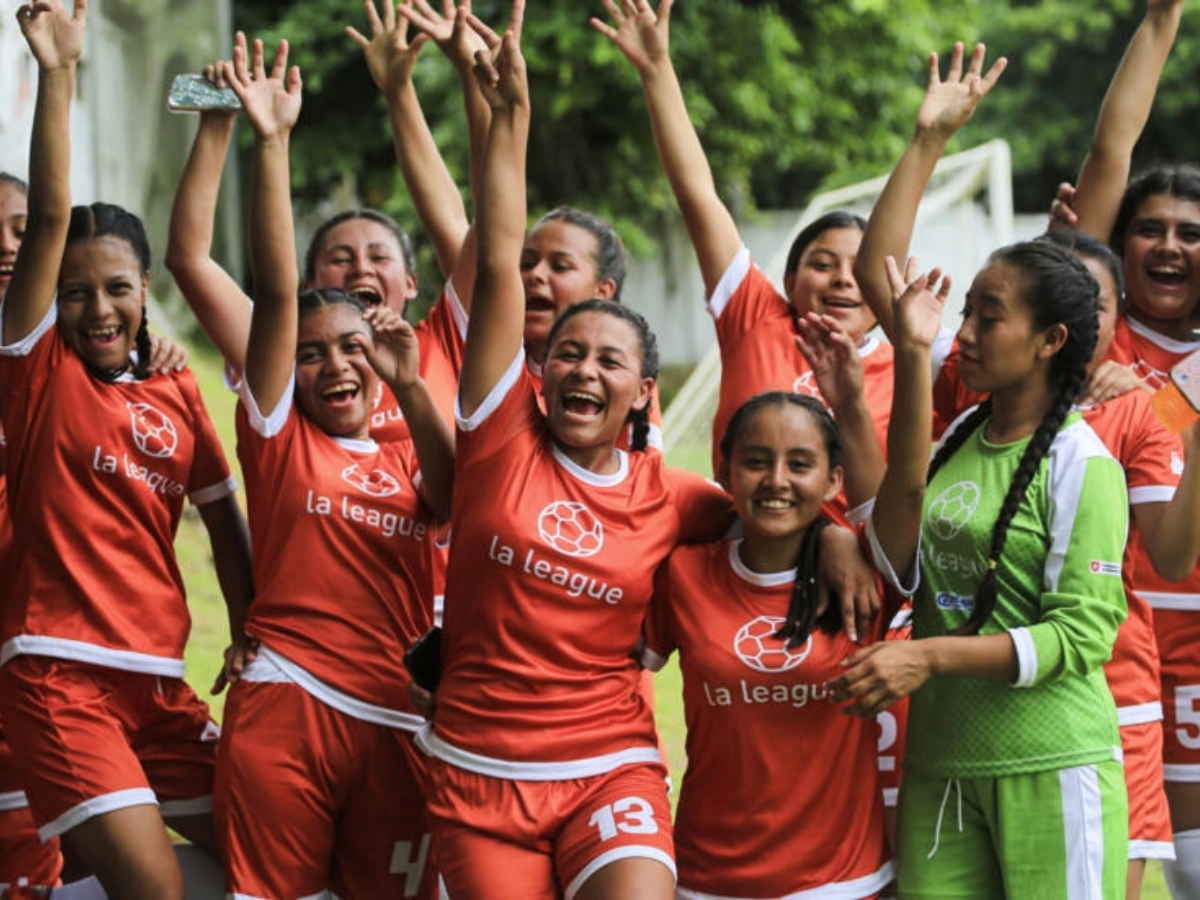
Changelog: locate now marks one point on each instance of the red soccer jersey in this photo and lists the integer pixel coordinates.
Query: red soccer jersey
(756, 331)
(98, 473)
(1149, 354)
(551, 570)
(1152, 457)
(764, 809)
(342, 548)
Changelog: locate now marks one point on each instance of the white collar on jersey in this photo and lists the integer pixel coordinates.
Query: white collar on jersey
(759, 579)
(589, 477)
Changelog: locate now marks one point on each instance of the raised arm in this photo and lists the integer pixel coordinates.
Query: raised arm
(215, 298)
(390, 58)
(395, 356)
(837, 365)
(272, 104)
(947, 106)
(495, 335)
(917, 316)
(56, 40)
(642, 36)
(1123, 115)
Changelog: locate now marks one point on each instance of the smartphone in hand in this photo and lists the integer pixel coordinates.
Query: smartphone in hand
(195, 93)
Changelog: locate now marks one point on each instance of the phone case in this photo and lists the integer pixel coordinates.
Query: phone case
(424, 659)
(195, 93)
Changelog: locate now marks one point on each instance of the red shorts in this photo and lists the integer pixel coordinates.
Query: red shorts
(527, 840)
(88, 740)
(310, 798)
(1149, 816)
(22, 854)
(1178, 633)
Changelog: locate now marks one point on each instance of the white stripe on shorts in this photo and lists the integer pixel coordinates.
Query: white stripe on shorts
(1084, 832)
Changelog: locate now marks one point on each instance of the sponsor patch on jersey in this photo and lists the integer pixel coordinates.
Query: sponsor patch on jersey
(947, 600)
(1104, 567)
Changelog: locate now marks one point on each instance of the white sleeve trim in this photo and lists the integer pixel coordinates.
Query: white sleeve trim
(942, 345)
(494, 398)
(861, 513)
(1027, 661)
(214, 492)
(1156, 493)
(457, 311)
(884, 565)
(734, 275)
(267, 425)
(25, 345)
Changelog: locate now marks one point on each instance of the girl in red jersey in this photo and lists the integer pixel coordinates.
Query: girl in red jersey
(363, 251)
(756, 656)
(546, 780)
(316, 786)
(755, 324)
(99, 461)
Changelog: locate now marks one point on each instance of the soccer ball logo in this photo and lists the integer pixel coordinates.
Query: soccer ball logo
(569, 527)
(807, 384)
(153, 432)
(756, 646)
(953, 508)
(375, 483)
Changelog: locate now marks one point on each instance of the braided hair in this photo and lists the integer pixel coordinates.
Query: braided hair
(109, 220)
(318, 298)
(1058, 289)
(647, 346)
(802, 618)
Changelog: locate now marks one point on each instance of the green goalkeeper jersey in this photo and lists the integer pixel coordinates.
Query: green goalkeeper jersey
(1060, 599)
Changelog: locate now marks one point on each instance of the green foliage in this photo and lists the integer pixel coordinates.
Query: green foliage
(789, 96)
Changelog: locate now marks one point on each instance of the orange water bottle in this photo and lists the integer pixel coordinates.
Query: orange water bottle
(1177, 402)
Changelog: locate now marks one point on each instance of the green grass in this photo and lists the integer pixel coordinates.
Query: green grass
(210, 629)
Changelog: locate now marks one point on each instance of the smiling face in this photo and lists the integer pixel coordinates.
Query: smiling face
(1162, 263)
(13, 208)
(558, 269)
(363, 257)
(335, 384)
(779, 475)
(591, 380)
(101, 300)
(823, 281)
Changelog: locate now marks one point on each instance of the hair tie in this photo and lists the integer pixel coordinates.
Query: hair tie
(992, 564)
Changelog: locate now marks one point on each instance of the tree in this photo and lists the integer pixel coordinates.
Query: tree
(789, 96)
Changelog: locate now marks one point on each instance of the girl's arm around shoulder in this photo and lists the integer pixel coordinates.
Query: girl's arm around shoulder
(704, 510)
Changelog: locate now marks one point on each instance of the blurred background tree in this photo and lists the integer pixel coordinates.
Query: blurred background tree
(789, 96)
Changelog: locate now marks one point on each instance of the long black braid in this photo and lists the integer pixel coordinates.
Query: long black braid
(1059, 290)
(802, 618)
